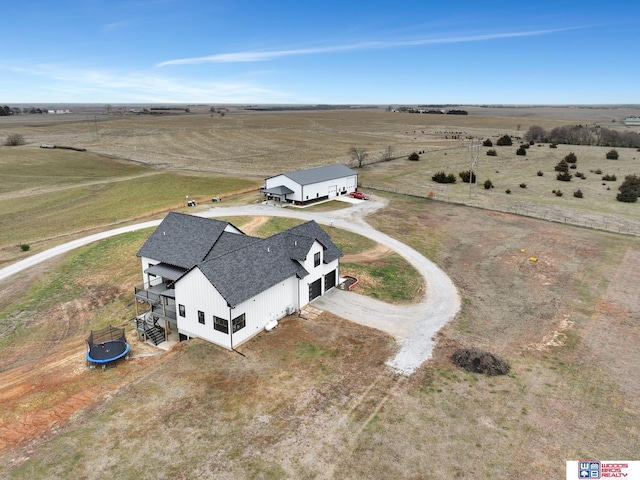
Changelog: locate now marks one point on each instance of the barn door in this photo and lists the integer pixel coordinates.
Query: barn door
(315, 289)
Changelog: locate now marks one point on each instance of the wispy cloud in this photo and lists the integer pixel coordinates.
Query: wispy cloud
(69, 83)
(258, 56)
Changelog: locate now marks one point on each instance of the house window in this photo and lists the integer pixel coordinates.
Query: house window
(221, 324)
(316, 259)
(181, 310)
(200, 317)
(239, 323)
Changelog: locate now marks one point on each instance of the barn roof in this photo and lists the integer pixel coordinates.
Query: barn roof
(320, 174)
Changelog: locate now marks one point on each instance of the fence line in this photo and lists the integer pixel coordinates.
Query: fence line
(606, 223)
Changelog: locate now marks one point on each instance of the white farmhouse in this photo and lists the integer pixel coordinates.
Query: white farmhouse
(205, 278)
(305, 186)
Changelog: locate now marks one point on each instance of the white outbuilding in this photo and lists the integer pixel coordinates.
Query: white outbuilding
(305, 186)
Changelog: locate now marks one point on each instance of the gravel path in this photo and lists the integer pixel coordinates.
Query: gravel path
(413, 326)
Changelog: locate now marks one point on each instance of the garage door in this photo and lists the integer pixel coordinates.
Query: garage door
(315, 289)
(329, 280)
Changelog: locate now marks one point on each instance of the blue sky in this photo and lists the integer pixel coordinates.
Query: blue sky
(343, 52)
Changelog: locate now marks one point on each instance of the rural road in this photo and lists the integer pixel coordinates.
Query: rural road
(413, 326)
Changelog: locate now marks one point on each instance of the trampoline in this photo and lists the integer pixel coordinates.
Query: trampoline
(106, 346)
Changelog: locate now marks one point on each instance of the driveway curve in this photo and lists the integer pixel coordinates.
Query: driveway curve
(413, 326)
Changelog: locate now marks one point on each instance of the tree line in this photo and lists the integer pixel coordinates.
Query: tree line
(583, 135)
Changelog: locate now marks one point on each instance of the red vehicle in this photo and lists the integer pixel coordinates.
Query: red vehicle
(360, 195)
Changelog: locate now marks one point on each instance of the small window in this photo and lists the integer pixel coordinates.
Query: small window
(239, 323)
(316, 259)
(221, 324)
(200, 317)
(181, 310)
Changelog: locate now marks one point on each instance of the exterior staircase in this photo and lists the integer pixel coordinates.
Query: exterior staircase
(148, 327)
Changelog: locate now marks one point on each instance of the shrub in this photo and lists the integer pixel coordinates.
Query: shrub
(564, 176)
(598, 172)
(508, 191)
(25, 247)
(553, 145)
(580, 175)
(562, 166)
(487, 143)
(414, 157)
(492, 153)
(14, 139)
(540, 174)
(629, 190)
(441, 177)
(573, 166)
(488, 184)
(612, 155)
(571, 158)
(577, 193)
(468, 176)
(609, 178)
(521, 151)
(523, 185)
(504, 141)
(558, 193)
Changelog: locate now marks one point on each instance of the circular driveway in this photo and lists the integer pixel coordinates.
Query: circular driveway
(413, 326)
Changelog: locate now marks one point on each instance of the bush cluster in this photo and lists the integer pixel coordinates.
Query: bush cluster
(467, 176)
(612, 155)
(629, 190)
(492, 153)
(441, 177)
(504, 141)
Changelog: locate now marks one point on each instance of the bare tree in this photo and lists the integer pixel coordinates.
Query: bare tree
(387, 154)
(359, 155)
(14, 139)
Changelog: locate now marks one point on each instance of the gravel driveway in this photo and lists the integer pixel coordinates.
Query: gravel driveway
(413, 326)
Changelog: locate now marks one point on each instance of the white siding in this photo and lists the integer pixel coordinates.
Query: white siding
(149, 280)
(337, 186)
(272, 304)
(196, 293)
(314, 273)
(287, 182)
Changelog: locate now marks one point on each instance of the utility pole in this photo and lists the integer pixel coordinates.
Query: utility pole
(474, 170)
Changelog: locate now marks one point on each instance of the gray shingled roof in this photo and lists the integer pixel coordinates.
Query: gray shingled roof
(252, 269)
(320, 174)
(237, 265)
(314, 231)
(228, 242)
(244, 273)
(182, 240)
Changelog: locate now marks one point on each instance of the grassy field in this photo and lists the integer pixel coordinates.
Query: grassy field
(49, 195)
(313, 398)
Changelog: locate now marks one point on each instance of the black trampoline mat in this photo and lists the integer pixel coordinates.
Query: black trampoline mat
(108, 350)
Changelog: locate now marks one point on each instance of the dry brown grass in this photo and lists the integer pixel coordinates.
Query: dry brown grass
(314, 398)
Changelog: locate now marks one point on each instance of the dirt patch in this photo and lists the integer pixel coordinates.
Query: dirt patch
(370, 256)
(478, 361)
(251, 227)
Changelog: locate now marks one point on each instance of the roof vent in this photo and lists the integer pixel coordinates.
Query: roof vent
(295, 242)
(268, 249)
